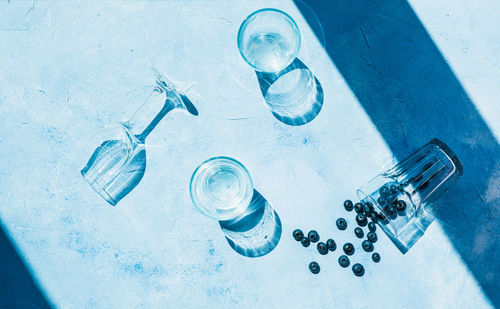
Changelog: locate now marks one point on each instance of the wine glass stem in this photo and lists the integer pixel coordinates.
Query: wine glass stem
(169, 105)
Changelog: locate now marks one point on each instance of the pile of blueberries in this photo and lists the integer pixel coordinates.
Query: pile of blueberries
(364, 211)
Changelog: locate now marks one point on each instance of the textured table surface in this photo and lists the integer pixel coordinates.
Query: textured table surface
(65, 68)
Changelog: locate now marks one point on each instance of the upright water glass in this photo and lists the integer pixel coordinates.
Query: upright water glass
(221, 188)
(269, 40)
(402, 197)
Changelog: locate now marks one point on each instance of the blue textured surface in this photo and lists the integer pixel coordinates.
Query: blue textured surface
(65, 69)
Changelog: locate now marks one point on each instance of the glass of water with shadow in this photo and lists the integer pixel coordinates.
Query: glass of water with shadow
(401, 200)
(222, 189)
(269, 41)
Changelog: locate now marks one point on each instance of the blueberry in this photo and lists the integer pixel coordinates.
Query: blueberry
(401, 205)
(361, 220)
(314, 267)
(381, 216)
(298, 235)
(384, 191)
(359, 232)
(372, 227)
(368, 208)
(341, 224)
(367, 245)
(348, 205)
(392, 211)
(372, 237)
(322, 248)
(344, 261)
(391, 198)
(313, 236)
(331, 245)
(381, 201)
(348, 248)
(358, 269)
(394, 189)
(358, 207)
(305, 242)
(376, 257)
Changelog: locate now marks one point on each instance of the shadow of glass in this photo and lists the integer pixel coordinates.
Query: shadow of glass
(294, 95)
(257, 231)
(17, 288)
(411, 94)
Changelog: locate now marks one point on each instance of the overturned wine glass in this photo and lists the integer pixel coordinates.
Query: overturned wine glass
(401, 199)
(118, 155)
(222, 189)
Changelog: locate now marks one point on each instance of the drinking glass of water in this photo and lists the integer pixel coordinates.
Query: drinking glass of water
(222, 189)
(269, 40)
(401, 199)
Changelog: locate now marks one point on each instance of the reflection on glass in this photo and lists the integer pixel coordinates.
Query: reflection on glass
(269, 41)
(118, 156)
(221, 188)
(403, 196)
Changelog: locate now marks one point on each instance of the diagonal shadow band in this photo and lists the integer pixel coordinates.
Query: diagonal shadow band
(294, 95)
(411, 95)
(17, 288)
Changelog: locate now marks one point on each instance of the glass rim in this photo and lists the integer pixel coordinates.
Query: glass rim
(225, 214)
(244, 23)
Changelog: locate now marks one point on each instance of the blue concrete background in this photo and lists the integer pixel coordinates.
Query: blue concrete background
(394, 75)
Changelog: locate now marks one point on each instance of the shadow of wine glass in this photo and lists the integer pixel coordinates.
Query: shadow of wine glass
(294, 95)
(255, 232)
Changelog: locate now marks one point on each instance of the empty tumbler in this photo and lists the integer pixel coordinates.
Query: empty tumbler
(401, 198)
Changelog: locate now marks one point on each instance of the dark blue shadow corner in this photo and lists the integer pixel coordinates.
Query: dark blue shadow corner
(17, 287)
(411, 94)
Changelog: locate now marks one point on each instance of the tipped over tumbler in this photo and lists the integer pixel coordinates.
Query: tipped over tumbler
(402, 198)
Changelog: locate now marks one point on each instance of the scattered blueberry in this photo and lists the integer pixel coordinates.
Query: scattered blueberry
(313, 236)
(381, 216)
(372, 237)
(390, 198)
(367, 245)
(314, 267)
(368, 208)
(358, 269)
(331, 245)
(381, 201)
(376, 257)
(384, 191)
(298, 235)
(401, 205)
(394, 189)
(348, 248)
(341, 224)
(344, 261)
(392, 211)
(348, 205)
(322, 248)
(305, 242)
(359, 232)
(361, 220)
(358, 207)
(372, 227)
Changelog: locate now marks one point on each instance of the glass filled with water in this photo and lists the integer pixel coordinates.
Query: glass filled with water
(269, 40)
(401, 198)
(221, 188)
